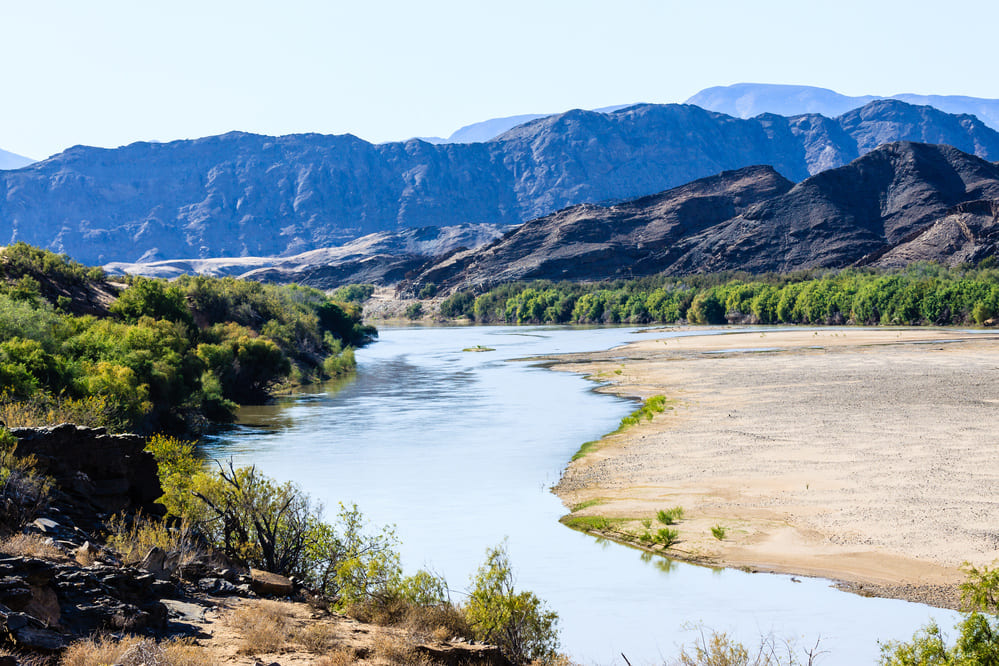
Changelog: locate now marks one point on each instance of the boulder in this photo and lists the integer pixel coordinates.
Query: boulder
(270, 584)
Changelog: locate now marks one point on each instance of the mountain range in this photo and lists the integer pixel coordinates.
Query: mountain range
(13, 161)
(745, 100)
(238, 195)
(899, 203)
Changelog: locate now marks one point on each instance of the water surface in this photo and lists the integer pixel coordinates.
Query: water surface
(459, 450)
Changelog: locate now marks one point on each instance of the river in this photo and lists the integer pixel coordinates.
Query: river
(458, 450)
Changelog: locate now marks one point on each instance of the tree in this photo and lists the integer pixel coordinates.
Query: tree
(517, 622)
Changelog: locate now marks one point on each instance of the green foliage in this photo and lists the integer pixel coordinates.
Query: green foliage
(918, 294)
(670, 516)
(429, 290)
(518, 622)
(977, 642)
(652, 406)
(718, 532)
(667, 537)
(586, 523)
(353, 293)
(169, 355)
(414, 311)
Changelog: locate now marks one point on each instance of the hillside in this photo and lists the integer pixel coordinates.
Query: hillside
(239, 195)
(902, 201)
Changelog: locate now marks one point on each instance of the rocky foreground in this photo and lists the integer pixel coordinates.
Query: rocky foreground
(64, 592)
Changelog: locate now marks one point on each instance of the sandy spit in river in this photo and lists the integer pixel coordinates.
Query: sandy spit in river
(865, 456)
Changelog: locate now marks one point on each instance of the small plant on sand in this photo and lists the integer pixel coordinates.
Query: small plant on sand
(670, 516)
(647, 523)
(667, 537)
(264, 627)
(652, 406)
(718, 532)
(586, 523)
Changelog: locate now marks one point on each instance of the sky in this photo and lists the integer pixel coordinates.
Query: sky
(109, 72)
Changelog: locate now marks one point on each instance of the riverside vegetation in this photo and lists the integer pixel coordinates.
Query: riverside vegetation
(144, 354)
(922, 293)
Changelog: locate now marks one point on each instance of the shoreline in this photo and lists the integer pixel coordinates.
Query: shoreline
(853, 454)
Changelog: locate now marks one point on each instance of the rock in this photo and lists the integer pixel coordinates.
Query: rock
(460, 654)
(87, 553)
(38, 638)
(155, 562)
(99, 472)
(44, 605)
(269, 584)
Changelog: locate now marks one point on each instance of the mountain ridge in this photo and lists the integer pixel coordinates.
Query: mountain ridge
(903, 201)
(746, 100)
(240, 194)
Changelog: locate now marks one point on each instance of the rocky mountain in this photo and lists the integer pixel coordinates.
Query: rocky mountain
(745, 100)
(901, 202)
(239, 195)
(381, 258)
(12, 161)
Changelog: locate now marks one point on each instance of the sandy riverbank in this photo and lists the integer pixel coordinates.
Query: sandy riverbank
(866, 456)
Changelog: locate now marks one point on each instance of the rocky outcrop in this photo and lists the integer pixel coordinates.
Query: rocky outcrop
(96, 471)
(240, 195)
(902, 202)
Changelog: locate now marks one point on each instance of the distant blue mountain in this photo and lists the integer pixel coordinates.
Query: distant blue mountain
(12, 161)
(492, 128)
(746, 100)
(249, 195)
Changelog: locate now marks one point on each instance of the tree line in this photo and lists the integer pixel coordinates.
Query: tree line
(922, 293)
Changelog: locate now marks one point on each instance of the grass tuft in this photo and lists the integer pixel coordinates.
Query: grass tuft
(670, 516)
(586, 523)
(718, 532)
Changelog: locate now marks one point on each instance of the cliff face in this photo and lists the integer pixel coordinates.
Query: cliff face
(901, 202)
(246, 195)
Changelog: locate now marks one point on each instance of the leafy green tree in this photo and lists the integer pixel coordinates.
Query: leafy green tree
(518, 622)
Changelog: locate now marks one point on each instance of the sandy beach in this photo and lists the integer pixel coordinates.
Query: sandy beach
(868, 456)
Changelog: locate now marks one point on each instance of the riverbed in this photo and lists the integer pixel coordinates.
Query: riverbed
(459, 451)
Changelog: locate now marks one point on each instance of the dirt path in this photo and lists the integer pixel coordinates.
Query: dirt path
(867, 456)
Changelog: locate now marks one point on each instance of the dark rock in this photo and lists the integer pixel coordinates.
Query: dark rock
(901, 202)
(269, 584)
(460, 654)
(39, 638)
(122, 475)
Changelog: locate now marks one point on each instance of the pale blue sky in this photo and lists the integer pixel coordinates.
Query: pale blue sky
(109, 72)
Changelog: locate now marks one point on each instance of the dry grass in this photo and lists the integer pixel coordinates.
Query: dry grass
(134, 538)
(318, 638)
(41, 410)
(396, 649)
(31, 545)
(134, 651)
(264, 627)
(427, 621)
(342, 656)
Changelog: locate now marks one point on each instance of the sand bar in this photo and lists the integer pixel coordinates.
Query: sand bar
(869, 456)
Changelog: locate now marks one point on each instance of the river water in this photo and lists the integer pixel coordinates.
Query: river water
(458, 450)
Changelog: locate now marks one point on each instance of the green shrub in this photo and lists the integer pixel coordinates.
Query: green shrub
(670, 516)
(667, 537)
(518, 622)
(414, 311)
(353, 293)
(718, 532)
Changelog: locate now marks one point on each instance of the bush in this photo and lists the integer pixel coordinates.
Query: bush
(24, 491)
(353, 293)
(670, 516)
(517, 622)
(414, 311)
(978, 633)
